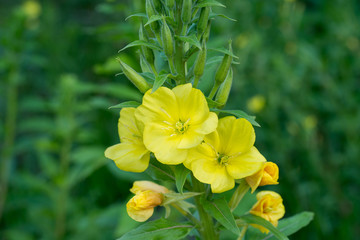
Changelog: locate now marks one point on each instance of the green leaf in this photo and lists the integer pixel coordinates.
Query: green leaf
(159, 81)
(209, 3)
(181, 174)
(159, 171)
(212, 104)
(217, 59)
(289, 225)
(133, 104)
(238, 114)
(212, 15)
(192, 39)
(220, 210)
(224, 50)
(141, 43)
(152, 19)
(251, 219)
(159, 229)
(143, 15)
(177, 197)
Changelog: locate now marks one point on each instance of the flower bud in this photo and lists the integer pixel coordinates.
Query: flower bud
(147, 52)
(224, 67)
(224, 90)
(167, 39)
(269, 206)
(150, 11)
(139, 186)
(203, 20)
(207, 32)
(134, 77)
(141, 206)
(200, 62)
(267, 175)
(186, 11)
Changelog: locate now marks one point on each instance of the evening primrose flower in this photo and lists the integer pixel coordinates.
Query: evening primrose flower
(267, 175)
(130, 155)
(148, 195)
(269, 206)
(225, 155)
(175, 121)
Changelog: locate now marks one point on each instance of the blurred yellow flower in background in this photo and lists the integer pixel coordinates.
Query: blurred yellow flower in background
(225, 155)
(256, 103)
(269, 206)
(175, 121)
(267, 175)
(148, 195)
(32, 9)
(130, 155)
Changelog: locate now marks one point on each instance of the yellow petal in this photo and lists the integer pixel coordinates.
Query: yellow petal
(208, 126)
(255, 179)
(236, 135)
(159, 106)
(128, 127)
(190, 139)
(270, 174)
(159, 139)
(129, 157)
(139, 215)
(139, 186)
(192, 104)
(245, 164)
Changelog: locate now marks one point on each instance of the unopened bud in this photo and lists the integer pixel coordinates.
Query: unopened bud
(207, 32)
(224, 67)
(200, 62)
(167, 39)
(147, 52)
(150, 11)
(186, 11)
(224, 90)
(203, 20)
(134, 77)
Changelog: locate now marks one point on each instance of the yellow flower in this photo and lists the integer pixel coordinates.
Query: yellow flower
(148, 195)
(130, 155)
(267, 175)
(270, 207)
(175, 121)
(256, 103)
(32, 9)
(225, 155)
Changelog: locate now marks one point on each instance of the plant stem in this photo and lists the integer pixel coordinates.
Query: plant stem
(242, 234)
(187, 215)
(213, 90)
(207, 230)
(9, 129)
(239, 193)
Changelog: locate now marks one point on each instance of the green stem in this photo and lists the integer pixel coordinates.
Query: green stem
(187, 215)
(242, 234)
(152, 65)
(196, 81)
(214, 89)
(239, 193)
(9, 129)
(207, 230)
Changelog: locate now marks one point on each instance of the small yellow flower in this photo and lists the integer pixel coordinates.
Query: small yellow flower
(225, 155)
(270, 207)
(268, 175)
(130, 155)
(148, 195)
(256, 103)
(32, 9)
(175, 121)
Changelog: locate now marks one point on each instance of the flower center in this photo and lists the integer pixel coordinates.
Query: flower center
(181, 127)
(223, 159)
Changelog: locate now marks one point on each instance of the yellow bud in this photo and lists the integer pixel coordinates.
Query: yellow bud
(267, 175)
(224, 90)
(140, 186)
(141, 206)
(134, 77)
(269, 206)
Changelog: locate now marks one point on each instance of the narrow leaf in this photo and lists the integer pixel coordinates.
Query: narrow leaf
(220, 210)
(181, 174)
(159, 171)
(143, 15)
(159, 81)
(238, 114)
(192, 39)
(133, 104)
(159, 229)
(141, 43)
(212, 15)
(217, 59)
(209, 3)
(152, 19)
(225, 51)
(177, 197)
(252, 219)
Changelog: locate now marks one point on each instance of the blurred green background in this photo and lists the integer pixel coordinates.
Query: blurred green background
(299, 73)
